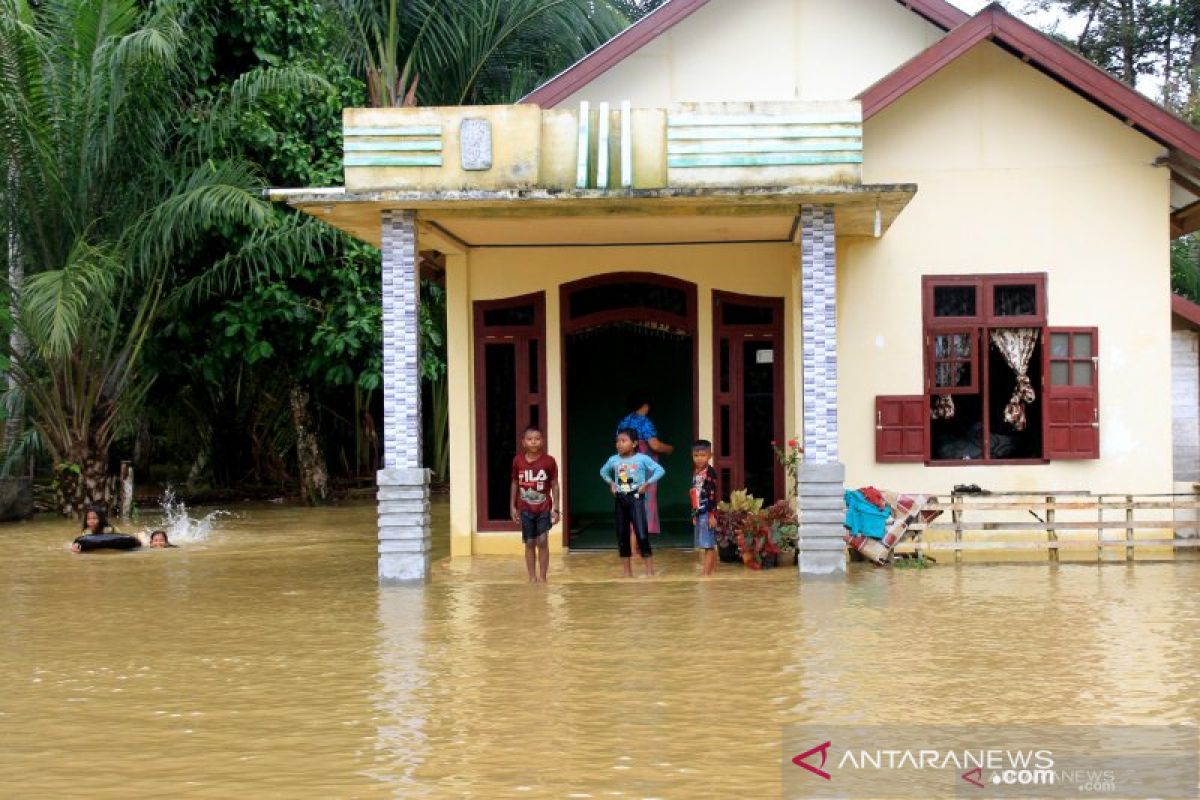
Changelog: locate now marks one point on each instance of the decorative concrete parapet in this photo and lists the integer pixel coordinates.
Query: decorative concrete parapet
(821, 509)
(404, 525)
(818, 304)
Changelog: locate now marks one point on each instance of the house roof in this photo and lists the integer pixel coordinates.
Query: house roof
(662, 19)
(1186, 310)
(1072, 70)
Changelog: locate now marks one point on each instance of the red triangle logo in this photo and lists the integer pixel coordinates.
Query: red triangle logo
(823, 750)
(974, 776)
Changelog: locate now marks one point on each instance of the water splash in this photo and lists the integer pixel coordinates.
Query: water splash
(181, 528)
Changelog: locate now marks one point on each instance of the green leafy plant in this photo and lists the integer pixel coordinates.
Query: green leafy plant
(791, 456)
(757, 532)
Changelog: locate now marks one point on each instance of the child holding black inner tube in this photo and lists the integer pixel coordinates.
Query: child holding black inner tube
(629, 474)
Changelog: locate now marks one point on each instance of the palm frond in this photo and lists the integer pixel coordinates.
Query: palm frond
(55, 305)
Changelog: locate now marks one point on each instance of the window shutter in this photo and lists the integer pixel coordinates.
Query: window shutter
(1071, 387)
(901, 428)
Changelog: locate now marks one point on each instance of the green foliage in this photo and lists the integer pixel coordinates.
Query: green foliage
(466, 52)
(117, 180)
(1136, 40)
(1185, 267)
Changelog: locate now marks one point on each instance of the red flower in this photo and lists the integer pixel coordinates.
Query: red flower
(792, 443)
(772, 443)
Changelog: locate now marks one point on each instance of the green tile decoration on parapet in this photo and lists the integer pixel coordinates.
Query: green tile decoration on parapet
(763, 140)
(395, 146)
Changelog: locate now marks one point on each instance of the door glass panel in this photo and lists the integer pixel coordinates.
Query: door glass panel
(1058, 345)
(1015, 301)
(1058, 373)
(758, 423)
(726, 429)
(509, 316)
(724, 367)
(1082, 345)
(1081, 373)
(954, 301)
(500, 381)
(738, 314)
(533, 367)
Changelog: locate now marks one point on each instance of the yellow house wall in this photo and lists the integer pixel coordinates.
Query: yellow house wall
(756, 269)
(733, 50)
(1015, 174)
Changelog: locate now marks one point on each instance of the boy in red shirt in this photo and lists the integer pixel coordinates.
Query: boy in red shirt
(535, 501)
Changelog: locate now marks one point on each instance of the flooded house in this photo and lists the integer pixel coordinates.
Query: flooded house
(916, 240)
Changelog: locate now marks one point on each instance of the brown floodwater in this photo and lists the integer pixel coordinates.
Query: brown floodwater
(264, 661)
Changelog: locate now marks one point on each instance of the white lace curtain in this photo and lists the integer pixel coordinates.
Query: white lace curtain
(1016, 345)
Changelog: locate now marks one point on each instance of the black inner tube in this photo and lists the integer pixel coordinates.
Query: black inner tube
(108, 541)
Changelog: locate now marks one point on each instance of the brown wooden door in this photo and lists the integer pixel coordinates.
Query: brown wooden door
(748, 386)
(510, 393)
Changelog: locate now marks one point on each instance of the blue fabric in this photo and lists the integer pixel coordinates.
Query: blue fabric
(862, 517)
(631, 474)
(642, 424)
(704, 535)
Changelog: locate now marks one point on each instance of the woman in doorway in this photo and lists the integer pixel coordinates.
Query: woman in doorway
(638, 406)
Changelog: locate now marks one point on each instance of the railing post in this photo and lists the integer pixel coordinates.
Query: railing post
(1129, 527)
(1051, 533)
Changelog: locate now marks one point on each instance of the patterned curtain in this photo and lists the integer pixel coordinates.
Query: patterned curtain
(1016, 345)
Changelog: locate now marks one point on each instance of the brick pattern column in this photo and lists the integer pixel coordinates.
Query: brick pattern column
(821, 477)
(818, 276)
(404, 535)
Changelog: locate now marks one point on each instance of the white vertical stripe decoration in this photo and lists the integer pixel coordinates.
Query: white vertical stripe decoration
(626, 146)
(581, 167)
(602, 149)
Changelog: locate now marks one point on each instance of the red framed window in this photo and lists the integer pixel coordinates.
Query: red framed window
(952, 361)
(510, 380)
(987, 351)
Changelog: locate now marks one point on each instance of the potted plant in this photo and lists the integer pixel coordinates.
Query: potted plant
(784, 528)
(733, 517)
(759, 551)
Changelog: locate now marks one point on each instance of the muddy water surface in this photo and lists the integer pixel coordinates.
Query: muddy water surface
(264, 661)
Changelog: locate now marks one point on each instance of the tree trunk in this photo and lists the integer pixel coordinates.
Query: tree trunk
(314, 477)
(1128, 37)
(84, 481)
(15, 421)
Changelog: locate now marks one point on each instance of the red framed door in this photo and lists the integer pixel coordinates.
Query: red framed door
(748, 390)
(616, 298)
(510, 393)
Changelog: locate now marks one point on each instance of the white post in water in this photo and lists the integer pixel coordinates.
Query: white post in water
(404, 534)
(126, 491)
(821, 476)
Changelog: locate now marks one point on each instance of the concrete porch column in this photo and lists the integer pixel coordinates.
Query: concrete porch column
(822, 475)
(404, 535)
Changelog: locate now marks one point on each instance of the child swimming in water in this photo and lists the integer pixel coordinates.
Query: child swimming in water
(158, 539)
(95, 522)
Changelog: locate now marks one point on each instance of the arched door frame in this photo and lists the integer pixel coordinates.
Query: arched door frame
(688, 324)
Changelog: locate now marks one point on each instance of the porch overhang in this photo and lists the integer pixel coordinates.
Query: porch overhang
(548, 217)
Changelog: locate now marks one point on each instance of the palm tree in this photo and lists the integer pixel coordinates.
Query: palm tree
(467, 52)
(115, 176)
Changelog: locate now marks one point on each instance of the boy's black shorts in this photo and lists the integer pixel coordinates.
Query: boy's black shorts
(534, 525)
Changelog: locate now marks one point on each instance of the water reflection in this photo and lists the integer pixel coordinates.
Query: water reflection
(268, 662)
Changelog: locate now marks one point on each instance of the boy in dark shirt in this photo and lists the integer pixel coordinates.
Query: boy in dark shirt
(704, 504)
(534, 501)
